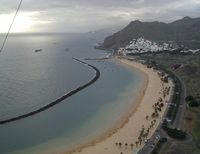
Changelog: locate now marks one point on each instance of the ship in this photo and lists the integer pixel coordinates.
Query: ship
(38, 50)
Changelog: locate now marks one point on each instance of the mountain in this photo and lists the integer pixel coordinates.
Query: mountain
(185, 31)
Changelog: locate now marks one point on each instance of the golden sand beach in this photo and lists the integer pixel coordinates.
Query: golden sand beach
(123, 137)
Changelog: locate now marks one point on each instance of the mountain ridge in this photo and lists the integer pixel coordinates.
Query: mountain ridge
(184, 31)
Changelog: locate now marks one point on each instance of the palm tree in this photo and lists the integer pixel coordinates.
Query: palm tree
(156, 114)
(120, 144)
(140, 141)
(136, 143)
(152, 123)
(161, 105)
(146, 134)
(153, 115)
(126, 144)
(132, 145)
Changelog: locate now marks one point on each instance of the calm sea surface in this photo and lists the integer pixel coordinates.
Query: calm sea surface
(30, 80)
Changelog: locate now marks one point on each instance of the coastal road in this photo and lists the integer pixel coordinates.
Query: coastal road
(160, 133)
(182, 107)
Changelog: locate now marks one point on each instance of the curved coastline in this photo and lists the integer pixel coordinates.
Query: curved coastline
(128, 127)
(57, 101)
(122, 121)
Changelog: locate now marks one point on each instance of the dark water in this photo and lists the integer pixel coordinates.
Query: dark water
(29, 80)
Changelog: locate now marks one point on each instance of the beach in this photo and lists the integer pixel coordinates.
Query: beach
(76, 120)
(137, 124)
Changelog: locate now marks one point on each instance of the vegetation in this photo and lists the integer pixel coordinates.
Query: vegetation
(193, 103)
(164, 79)
(157, 108)
(189, 98)
(172, 111)
(189, 73)
(119, 144)
(175, 133)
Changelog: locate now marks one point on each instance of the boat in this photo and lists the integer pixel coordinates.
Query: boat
(38, 50)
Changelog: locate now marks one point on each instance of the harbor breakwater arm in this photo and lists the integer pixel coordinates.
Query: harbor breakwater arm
(60, 99)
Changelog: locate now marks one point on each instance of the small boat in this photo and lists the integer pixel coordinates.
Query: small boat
(38, 50)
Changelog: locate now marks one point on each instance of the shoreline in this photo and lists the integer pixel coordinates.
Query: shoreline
(122, 121)
(105, 143)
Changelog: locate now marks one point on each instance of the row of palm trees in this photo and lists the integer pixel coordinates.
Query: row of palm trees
(120, 144)
(144, 133)
(166, 91)
(157, 107)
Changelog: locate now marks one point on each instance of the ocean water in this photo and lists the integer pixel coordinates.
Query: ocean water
(30, 80)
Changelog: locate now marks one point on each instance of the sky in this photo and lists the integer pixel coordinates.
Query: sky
(90, 15)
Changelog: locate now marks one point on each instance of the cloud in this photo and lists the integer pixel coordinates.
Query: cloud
(85, 15)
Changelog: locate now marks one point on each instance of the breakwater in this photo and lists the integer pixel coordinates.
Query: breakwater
(60, 99)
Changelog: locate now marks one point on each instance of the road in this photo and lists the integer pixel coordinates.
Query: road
(160, 133)
(182, 107)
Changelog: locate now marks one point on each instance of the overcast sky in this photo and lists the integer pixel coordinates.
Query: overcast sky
(88, 15)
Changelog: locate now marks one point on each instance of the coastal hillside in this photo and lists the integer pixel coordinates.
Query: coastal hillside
(185, 32)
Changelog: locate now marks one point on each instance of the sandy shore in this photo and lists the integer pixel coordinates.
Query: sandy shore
(128, 129)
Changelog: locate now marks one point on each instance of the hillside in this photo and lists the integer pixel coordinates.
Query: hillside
(185, 31)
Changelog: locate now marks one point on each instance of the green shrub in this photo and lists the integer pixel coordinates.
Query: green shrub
(175, 133)
(193, 103)
(189, 98)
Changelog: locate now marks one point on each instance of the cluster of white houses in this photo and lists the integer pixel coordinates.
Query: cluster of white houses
(141, 45)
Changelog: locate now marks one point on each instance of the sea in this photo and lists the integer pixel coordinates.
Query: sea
(30, 80)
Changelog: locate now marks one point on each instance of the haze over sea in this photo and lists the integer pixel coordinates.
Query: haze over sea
(30, 80)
